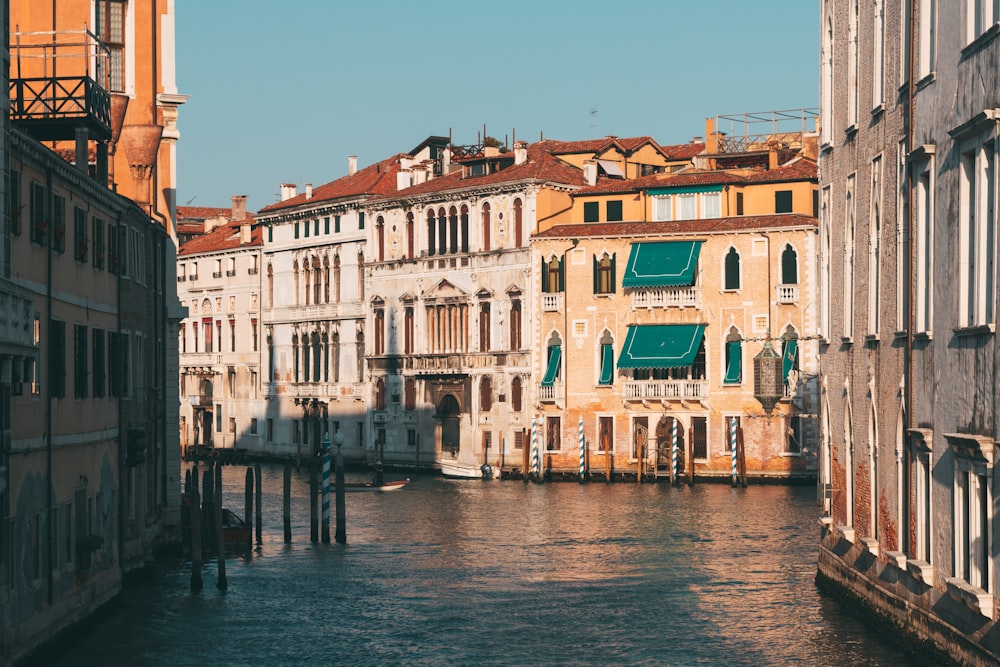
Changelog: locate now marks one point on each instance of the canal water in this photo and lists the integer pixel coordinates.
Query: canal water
(505, 573)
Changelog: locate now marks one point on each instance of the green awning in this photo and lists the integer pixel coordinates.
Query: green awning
(553, 368)
(734, 362)
(790, 357)
(662, 264)
(607, 364)
(661, 345)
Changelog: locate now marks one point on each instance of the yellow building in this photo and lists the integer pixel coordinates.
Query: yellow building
(653, 303)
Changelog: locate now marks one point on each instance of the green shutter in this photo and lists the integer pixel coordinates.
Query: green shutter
(552, 370)
(733, 362)
(607, 364)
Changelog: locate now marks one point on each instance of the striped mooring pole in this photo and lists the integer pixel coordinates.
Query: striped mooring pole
(732, 445)
(582, 450)
(673, 452)
(535, 468)
(326, 490)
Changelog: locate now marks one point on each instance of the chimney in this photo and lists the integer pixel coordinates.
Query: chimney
(590, 172)
(404, 178)
(245, 233)
(309, 191)
(520, 152)
(352, 165)
(239, 207)
(287, 191)
(773, 158)
(712, 139)
(445, 160)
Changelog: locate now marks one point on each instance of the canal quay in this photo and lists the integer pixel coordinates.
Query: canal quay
(503, 573)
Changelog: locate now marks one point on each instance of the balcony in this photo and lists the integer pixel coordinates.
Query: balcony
(52, 107)
(786, 294)
(230, 273)
(252, 271)
(550, 393)
(643, 390)
(331, 390)
(667, 297)
(462, 363)
(322, 311)
(552, 303)
(217, 274)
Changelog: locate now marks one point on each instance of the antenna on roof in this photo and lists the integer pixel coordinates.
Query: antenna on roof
(188, 203)
(593, 119)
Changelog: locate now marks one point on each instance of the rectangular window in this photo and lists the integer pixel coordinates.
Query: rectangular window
(100, 381)
(699, 435)
(39, 219)
(927, 37)
(519, 440)
(687, 206)
(80, 378)
(553, 434)
(109, 24)
(711, 205)
(253, 426)
(614, 209)
(306, 227)
(15, 202)
(878, 56)
(316, 227)
(663, 208)
(336, 224)
(361, 220)
(270, 429)
(971, 525)
(80, 234)
(326, 225)
(218, 418)
(605, 434)
(977, 270)
(783, 201)
(793, 434)
(98, 237)
(875, 248)
(591, 211)
(232, 425)
(296, 228)
(734, 362)
(739, 203)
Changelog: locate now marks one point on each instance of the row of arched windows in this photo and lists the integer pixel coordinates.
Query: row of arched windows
(486, 394)
(448, 230)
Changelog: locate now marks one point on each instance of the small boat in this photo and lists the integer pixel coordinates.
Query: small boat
(394, 485)
(235, 531)
(455, 470)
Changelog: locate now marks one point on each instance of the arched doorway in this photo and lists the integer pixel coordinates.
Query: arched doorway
(448, 413)
(665, 444)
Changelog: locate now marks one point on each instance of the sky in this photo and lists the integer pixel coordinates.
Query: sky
(284, 93)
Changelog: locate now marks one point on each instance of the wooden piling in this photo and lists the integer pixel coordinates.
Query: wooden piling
(313, 508)
(741, 459)
(196, 581)
(341, 530)
(207, 501)
(220, 538)
(260, 484)
(690, 455)
(286, 504)
(248, 504)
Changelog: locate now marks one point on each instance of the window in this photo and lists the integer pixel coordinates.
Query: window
(925, 243)
(380, 237)
(875, 248)
(920, 448)
(552, 275)
(850, 230)
(662, 208)
(484, 327)
(336, 224)
(732, 278)
(361, 220)
(80, 379)
(980, 16)
(253, 426)
(789, 266)
(253, 332)
(518, 224)
(783, 201)
(57, 359)
(409, 235)
(711, 205)
(553, 440)
(316, 227)
(109, 24)
(605, 434)
(553, 352)
(734, 358)
(269, 425)
(516, 392)
(607, 360)
(380, 394)
(326, 225)
(410, 394)
(591, 211)
(515, 324)
(604, 274)
(296, 230)
(100, 381)
(699, 428)
(232, 425)
(98, 257)
(39, 220)
(789, 356)
(408, 330)
(971, 506)
(486, 227)
(826, 263)
(686, 207)
(878, 56)
(977, 235)
(793, 434)
(927, 37)
(80, 234)
(852, 65)
(614, 210)
(486, 394)
(739, 203)
(379, 332)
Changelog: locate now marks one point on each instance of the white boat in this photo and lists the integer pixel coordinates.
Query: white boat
(456, 470)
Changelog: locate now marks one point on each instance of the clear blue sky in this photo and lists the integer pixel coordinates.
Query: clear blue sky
(284, 92)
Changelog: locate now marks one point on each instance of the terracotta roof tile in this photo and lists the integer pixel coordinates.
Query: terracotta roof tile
(224, 237)
(202, 212)
(683, 151)
(376, 179)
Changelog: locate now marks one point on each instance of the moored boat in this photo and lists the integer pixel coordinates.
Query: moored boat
(394, 485)
(456, 470)
(235, 531)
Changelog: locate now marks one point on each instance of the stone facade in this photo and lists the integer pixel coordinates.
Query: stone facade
(908, 311)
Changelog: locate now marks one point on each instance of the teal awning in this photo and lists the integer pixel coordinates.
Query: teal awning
(607, 364)
(662, 264)
(553, 368)
(790, 357)
(686, 190)
(661, 345)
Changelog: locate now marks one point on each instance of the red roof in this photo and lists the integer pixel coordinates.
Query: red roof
(199, 213)
(377, 179)
(684, 151)
(679, 227)
(223, 237)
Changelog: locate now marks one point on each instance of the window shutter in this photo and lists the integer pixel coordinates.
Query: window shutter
(597, 275)
(614, 274)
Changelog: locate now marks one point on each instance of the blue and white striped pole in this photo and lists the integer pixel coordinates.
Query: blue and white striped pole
(534, 448)
(582, 450)
(673, 451)
(326, 489)
(732, 445)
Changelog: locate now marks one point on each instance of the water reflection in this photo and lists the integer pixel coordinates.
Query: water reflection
(504, 573)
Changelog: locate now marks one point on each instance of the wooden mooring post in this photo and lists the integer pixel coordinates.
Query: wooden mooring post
(195, 508)
(286, 504)
(220, 538)
(313, 509)
(260, 484)
(248, 504)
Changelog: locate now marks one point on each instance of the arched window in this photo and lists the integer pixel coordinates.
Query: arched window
(336, 357)
(326, 279)
(270, 285)
(380, 234)
(515, 324)
(361, 275)
(515, 394)
(484, 326)
(453, 230)
(336, 278)
(789, 266)
(410, 394)
(295, 280)
(789, 356)
(295, 356)
(317, 279)
(326, 356)
(732, 270)
(380, 394)
(408, 330)
(409, 235)
(431, 232)
(552, 278)
(486, 394)
(734, 357)
(317, 353)
(607, 359)
(518, 224)
(442, 232)
(379, 331)
(486, 227)
(464, 221)
(604, 274)
(361, 356)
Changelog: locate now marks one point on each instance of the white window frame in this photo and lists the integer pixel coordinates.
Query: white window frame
(711, 205)
(922, 164)
(878, 57)
(850, 237)
(875, 248)
(927, 37)
(980, 16)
